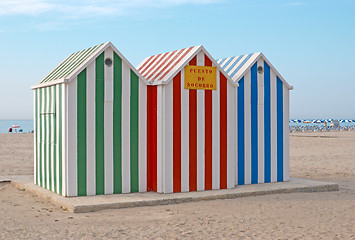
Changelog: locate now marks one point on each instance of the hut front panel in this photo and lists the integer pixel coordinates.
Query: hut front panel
(262, 127)
(107, 129)
(195, 135)
(48, 126)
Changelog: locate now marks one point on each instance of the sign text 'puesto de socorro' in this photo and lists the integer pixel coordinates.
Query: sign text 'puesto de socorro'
(200, 77)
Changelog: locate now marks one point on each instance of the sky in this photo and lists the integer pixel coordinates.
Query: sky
(311, 43)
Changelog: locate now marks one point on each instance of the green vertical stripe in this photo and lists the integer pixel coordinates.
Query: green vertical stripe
(40, 137)
(49, 119)
(81, 132)
(45, 137)
(134, 131)
(99, 123)
(54, 117)
(117, 128)
(36, 133)
(60, 138)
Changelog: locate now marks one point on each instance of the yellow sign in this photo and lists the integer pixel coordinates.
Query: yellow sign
(200, 77)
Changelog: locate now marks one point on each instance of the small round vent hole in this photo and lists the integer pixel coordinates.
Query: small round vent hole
(108, 62)
(260, 69)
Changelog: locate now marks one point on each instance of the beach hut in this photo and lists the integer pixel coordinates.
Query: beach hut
(177, 123)
(90, 125)
(262, 119)
(191, 122)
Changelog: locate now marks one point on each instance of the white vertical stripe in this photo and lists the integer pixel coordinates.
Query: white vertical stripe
(168, 141)
(261, 123)
(247, 126)
(126, 86)
(286, 133)
(216, 136)
(273, 119)
(90, 130)
(160, 139)
(72, 138)
(52, 140)
(35, 135)
(47, 117)
(57, 111)
(184, 135)
(39, 137)
(142, 136)
(64, 110)
(231, 137)
(200, 130)
(108, 124)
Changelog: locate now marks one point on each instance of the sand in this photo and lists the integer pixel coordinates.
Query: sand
(319, 156)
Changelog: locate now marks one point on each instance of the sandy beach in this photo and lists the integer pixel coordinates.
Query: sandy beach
(327, 156)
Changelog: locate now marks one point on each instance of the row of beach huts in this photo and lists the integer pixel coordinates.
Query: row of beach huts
(180, 121)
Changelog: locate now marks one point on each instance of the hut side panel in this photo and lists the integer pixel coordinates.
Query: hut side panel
(196, 140)
(48, 125)
(106, 129)
(262, 127)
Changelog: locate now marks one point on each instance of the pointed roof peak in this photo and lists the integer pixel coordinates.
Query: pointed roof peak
(162, 68)
(237, 66)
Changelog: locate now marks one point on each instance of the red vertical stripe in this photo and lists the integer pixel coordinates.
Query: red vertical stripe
(177, 133)
(223, 131)
(208, 62)
(208, 134)
(152, 138)
(193, 136)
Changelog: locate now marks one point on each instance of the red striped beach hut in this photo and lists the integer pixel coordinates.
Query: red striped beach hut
(191, 126)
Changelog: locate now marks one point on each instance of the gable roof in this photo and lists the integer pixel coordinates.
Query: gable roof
(75, 63)
(162, 68)
(237, 66)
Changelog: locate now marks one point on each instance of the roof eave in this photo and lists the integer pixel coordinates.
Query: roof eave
(50, 83)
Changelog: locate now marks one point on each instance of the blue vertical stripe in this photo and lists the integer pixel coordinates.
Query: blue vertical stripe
(241, 154)
(279, 130)
(267, 124)
(254, 124)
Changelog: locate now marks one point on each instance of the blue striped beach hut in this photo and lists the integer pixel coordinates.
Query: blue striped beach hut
(262, 119)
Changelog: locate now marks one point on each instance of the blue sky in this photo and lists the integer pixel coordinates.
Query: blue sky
(311, 43)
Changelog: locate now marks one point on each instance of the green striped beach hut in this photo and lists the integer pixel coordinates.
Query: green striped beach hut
(89, 120)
